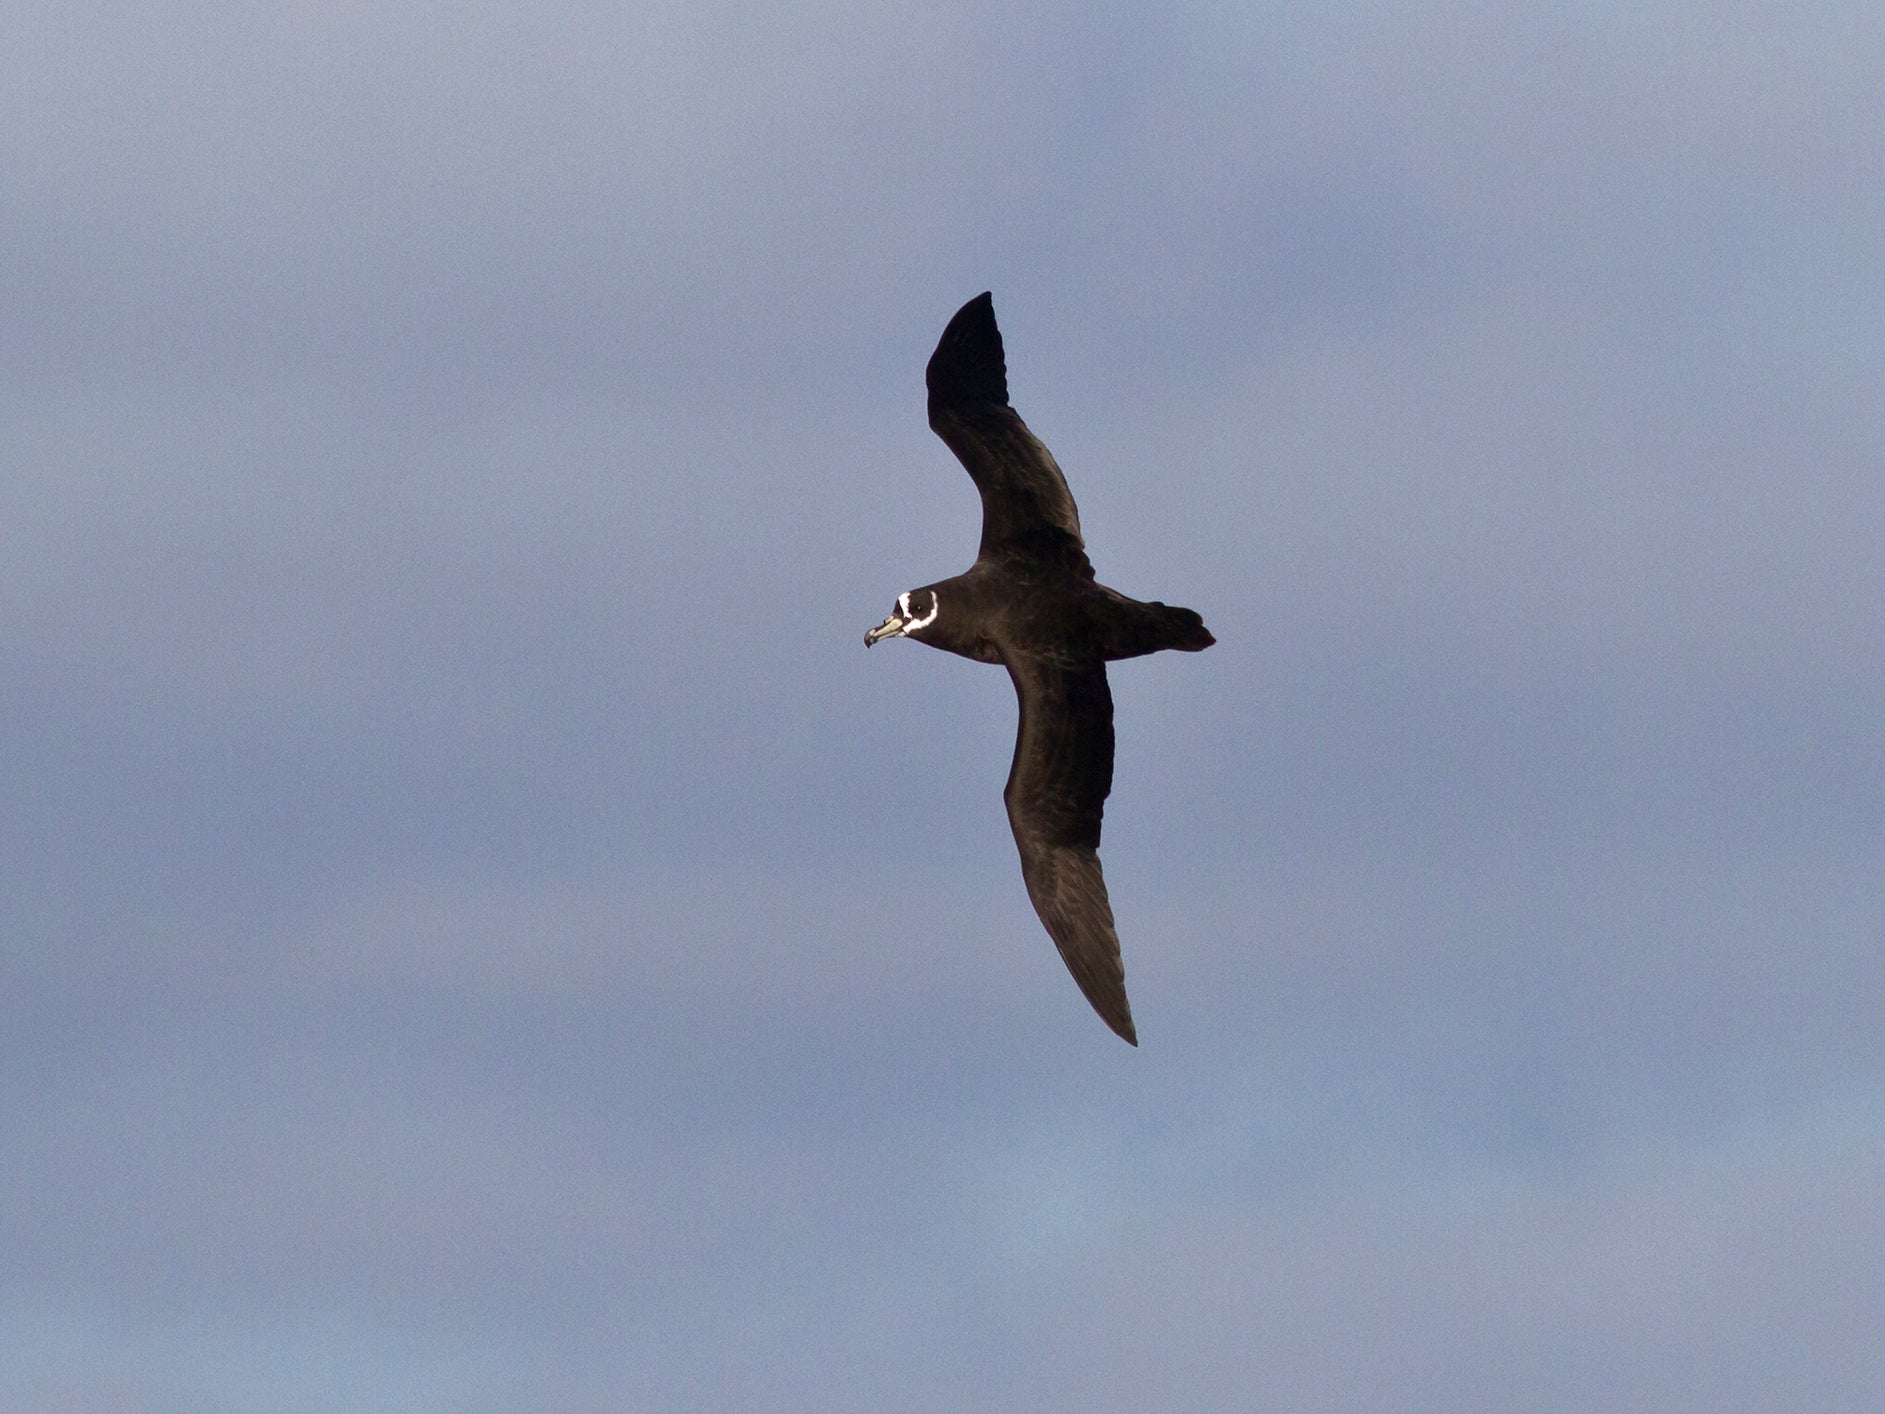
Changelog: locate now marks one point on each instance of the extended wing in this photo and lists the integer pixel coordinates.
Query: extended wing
(1057, 788)
(1026, 506)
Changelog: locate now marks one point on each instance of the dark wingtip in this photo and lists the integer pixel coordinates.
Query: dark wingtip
(968, 366)
(1116, 1012)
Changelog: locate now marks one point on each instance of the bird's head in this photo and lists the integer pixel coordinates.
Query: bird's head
(916, 610)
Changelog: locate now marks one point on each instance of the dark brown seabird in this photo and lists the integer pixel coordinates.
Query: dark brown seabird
(1030, 602)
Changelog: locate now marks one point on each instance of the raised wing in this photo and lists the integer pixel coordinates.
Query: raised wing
(1026, 506)
(1057, 788)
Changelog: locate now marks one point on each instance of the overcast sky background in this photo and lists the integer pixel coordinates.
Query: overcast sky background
(481, 934)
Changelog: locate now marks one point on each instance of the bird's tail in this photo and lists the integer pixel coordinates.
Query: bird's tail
(1185, 630)
(1158, 627)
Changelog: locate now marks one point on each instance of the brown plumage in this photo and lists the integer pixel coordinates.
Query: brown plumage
(1031, 603)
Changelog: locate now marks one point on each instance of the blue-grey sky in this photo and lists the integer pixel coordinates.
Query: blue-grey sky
(481, 934)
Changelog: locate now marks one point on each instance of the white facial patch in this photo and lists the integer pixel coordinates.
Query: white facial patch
(903, 606)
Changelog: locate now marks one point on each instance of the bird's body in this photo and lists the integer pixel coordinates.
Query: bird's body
(1031, 603)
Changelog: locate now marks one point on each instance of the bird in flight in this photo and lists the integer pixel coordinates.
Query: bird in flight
(1030, 602)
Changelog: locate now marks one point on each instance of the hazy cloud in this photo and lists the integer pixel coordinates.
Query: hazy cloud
(481, 934)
